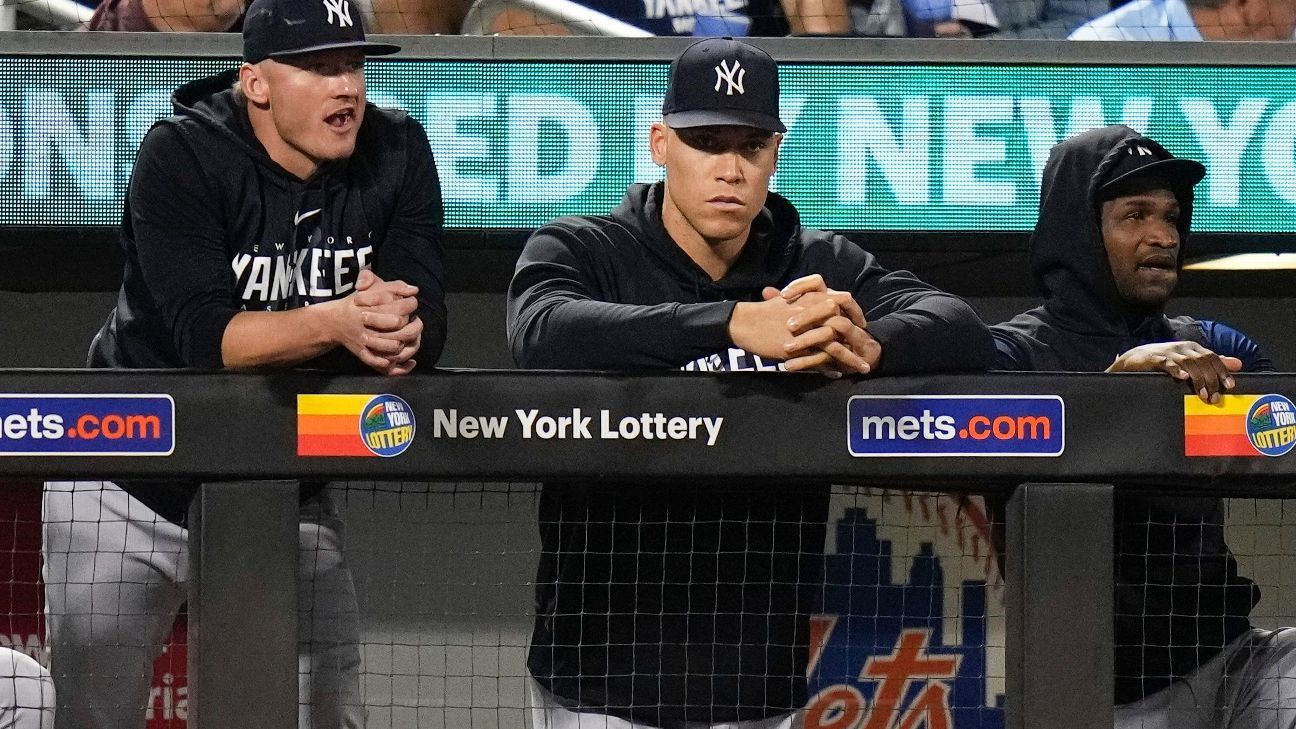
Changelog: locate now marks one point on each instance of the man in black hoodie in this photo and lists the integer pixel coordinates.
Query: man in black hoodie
(277, 220)
(679, 605)
(1115, 209)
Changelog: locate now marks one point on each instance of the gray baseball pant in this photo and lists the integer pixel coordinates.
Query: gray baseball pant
(115, 577)
(1251, 684)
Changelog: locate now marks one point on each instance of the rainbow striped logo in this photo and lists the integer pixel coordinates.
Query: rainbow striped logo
(353, 425)
(1239, 425)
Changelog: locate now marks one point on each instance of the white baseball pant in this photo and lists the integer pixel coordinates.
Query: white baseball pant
(1251, 684)
(26, 692)
(115, 577)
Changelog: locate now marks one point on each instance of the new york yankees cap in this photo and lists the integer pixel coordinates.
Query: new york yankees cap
(277, 28)
(721, 81)
(1139, 159)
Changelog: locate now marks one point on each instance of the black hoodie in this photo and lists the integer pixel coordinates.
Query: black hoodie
(1179, 598)
(663, 603)
(617, 293)
(213, 226)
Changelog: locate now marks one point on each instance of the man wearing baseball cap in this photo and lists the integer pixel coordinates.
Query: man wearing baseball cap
(1115, 213)
(277, 220)
(683, 604)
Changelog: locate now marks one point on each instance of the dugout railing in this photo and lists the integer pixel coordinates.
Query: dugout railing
(1051, 443)
(239, 433)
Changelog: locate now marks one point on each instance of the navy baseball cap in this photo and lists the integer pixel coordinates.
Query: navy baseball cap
(721, 81)
(1139, 160)
(277, 28)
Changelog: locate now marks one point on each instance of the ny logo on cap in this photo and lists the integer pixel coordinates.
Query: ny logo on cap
(732, 76)
(1141, 151)
(340, 8)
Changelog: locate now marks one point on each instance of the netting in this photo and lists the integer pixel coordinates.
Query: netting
(905, 617)
(905, 622)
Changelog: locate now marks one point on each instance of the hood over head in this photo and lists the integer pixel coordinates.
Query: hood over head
(1067, 254)
(1084, 323)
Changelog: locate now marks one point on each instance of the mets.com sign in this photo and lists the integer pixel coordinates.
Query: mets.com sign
(86, 425)
(956, 425)
(869, 146)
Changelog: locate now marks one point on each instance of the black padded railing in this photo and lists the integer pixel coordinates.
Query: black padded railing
(1054, 444)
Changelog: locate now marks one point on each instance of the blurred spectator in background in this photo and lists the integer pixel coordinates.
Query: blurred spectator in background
(173, 15)
(1194, 20)
(383, 16)
(764, 18)
(877, 18)
(999, 18)
(416, 16)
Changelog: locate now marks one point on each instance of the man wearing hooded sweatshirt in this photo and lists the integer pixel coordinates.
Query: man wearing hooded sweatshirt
(681, 605)
(1115, 209)
(277, 220)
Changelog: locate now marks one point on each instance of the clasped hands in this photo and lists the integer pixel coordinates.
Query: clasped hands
(380, 326)
(809, 326)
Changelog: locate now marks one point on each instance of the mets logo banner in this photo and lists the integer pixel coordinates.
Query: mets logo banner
(353, 425)
(955, 425)
(1239, 425)
(912, 604)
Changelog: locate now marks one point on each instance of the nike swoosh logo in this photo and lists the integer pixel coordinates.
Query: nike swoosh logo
(302, 216)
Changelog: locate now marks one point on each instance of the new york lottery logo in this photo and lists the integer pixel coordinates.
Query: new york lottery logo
(1239, 425)
(955, 425)
(353, 425)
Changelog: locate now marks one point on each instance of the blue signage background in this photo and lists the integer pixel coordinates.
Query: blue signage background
(930, 425)
(87, 425)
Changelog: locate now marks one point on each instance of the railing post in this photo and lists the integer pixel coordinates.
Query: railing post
(1059, 606)
(243, 605)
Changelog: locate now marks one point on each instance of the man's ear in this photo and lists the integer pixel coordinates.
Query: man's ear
(253, 84)
(657, 141)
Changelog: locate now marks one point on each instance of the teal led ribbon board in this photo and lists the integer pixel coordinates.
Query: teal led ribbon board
(923, 147)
